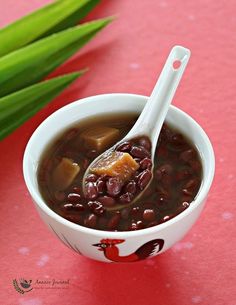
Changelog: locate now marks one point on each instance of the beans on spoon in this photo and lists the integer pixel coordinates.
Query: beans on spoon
(116, 193)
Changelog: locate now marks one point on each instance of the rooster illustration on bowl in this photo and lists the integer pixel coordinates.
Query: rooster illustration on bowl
(111, 250)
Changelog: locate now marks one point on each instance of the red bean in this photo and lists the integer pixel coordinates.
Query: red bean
(166, 218)
(76, 218)
(140, 224)
(177, 139)
(71, 133)
(183, 174)
(91, 191)
(161, 190)
(187, 192)
(187, 155)
(137, 225)
(191, 184)
(166, 169)
(139, 152)
(101, 186)
(74, 197)
(152, 223)
(91, 178)
(130, 187)
(96, 207)
(146, 163)
(161, 152)
(148, 192)
(124, 147)
(158, 175)
(135, 211)
(145, 142)
(99, 210)
(79, 207)
(76, 190)
(125, 213)
(114, 186)
(149, 214)
(166, 133)
(186, 198)
(126, 198)
(92, 154)
(136, 175)
(144, 178)
(185, 205)
(195, 165)
(166, 181)
(114, 221)
(162, 201)
(102, 223)
(90, 221)
(68, 206)
(107, 201)
(93, 204)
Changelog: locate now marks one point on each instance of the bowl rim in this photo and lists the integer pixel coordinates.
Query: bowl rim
(38, 200)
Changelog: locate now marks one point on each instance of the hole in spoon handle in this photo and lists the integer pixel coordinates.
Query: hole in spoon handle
(176, 64)
(179, 56)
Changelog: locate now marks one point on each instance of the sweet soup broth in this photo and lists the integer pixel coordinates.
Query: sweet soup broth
(176, 178)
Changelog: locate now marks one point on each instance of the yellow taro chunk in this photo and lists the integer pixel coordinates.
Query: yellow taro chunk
(100, 137)
(64, 174)
(116, 164)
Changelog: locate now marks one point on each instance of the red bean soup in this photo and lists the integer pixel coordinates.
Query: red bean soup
(106, 202)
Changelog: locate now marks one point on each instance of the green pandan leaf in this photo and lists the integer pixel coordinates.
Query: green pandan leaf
(18, 107)
(32, 63)
(74, 18)
(52, 18)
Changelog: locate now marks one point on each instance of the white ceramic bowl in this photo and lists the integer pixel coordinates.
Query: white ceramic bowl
(115, 246)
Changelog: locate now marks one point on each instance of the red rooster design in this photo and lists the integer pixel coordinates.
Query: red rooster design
(111, 251)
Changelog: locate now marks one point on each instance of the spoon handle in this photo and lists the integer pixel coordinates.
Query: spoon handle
(151, 119)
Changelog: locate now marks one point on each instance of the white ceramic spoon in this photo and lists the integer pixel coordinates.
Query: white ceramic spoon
(153, 115)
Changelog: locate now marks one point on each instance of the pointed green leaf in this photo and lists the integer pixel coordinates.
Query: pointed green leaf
(52, 18)
(18, 107)
(32, 63)
(74, 18)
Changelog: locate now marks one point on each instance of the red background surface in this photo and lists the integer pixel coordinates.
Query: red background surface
(127, 57)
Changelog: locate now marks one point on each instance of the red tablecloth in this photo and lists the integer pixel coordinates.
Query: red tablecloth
(127, 57)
